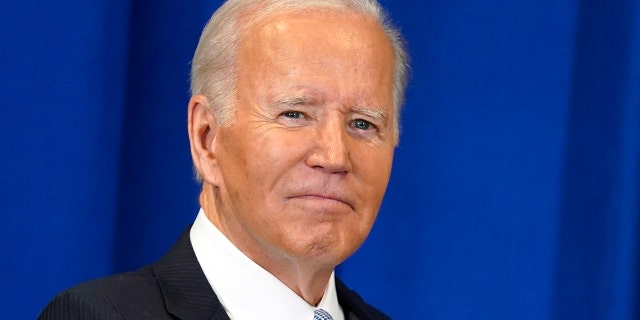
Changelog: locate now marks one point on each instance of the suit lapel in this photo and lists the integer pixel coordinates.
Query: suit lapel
(353, 306)
(348, 301)
(185, 288)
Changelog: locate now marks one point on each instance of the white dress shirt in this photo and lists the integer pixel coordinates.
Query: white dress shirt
(246, 290)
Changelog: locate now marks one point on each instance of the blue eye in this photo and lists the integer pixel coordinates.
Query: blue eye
(362, 124)
(292, 114)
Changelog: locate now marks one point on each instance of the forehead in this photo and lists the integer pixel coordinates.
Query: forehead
(322, 43)
(321, 25)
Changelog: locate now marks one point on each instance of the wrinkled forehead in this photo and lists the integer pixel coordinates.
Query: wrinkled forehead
(337, 58)
(288, 30)
(351, 40)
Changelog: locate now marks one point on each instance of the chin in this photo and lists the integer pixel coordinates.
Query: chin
(330, 250)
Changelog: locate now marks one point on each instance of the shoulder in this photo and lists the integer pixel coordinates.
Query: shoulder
(354, 306)
(134, 295)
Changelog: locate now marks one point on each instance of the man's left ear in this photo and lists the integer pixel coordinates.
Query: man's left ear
(202, 127)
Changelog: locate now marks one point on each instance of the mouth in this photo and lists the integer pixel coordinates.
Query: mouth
(321, 198)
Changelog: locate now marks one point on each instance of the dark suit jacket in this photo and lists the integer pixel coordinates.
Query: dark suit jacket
(175, 287)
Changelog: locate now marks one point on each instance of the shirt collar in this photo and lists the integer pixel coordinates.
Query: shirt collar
(246, 290)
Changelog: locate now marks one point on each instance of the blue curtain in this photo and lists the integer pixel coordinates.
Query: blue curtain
(515, 188)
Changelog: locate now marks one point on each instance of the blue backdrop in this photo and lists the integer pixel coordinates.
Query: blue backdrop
(514, 193)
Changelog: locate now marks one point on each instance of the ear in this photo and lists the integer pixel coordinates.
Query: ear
(202, 127)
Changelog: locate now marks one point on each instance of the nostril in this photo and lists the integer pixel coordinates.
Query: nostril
(337, 170)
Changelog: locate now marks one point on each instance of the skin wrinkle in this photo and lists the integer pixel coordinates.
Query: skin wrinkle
(376, 116)
(298, 195)
(255, 15)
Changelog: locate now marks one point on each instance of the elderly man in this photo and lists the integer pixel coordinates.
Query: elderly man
(292, 124)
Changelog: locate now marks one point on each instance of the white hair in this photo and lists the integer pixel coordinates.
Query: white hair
(213, 69)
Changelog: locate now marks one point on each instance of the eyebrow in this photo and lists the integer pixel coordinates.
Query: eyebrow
(293, 100)
(375, 113)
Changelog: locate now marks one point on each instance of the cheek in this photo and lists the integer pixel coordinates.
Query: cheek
(372, 170)
(264, 161)
(374, 165)
(281, 149)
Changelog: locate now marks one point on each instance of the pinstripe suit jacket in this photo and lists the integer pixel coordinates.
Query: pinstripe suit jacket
(175, 287)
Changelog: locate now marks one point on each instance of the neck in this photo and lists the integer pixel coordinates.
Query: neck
(300, 274)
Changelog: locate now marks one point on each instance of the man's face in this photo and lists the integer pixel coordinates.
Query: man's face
(305, 163)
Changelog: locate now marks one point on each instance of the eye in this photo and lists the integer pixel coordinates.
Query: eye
(293, 114)
(362, 124)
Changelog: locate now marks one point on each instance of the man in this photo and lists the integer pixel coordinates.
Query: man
(292, 125)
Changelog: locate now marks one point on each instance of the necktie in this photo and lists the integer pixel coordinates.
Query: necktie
(320, 314)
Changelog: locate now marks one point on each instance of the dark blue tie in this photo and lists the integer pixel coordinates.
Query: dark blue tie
(320, 314)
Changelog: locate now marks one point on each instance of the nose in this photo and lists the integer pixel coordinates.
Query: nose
(330, 151)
